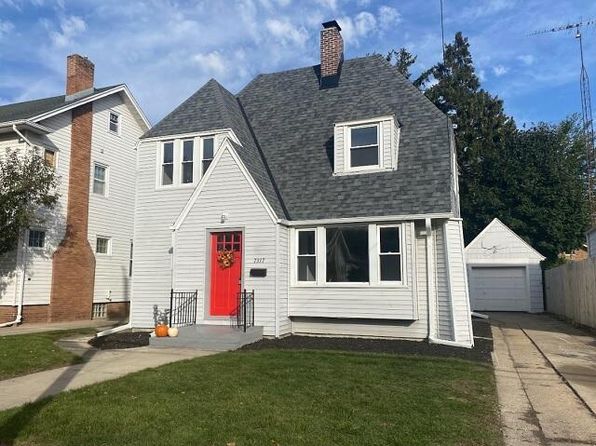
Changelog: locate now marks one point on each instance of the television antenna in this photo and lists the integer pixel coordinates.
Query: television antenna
(586, 100)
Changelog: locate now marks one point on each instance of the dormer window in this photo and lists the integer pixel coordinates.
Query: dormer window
(365, 146)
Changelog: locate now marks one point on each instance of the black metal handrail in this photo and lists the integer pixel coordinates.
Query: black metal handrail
(245, 310)
(183, 308)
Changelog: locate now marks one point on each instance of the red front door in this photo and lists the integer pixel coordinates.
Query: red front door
(226, 270)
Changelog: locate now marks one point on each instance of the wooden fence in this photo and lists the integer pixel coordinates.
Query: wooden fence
(571, 291)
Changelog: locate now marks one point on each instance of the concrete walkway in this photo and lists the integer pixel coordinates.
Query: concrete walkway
(100, 365)
(57, 326)
(546, 379)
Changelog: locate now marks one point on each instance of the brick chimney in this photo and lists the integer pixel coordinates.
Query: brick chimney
(79, 76)
(332, 53)
(73, 262)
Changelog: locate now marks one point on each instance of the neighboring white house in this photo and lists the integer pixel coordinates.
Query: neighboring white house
(80, 252)
(591, 241)
(331, 191)
(504, 271)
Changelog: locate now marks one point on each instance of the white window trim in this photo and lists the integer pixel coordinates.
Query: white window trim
(373, 261)
(297, 240)
(106, 188)
(160, 164)
(119, 115)
(108, 253)
(45, 239)
(182, 162)
(202, 139)
(348, 148)
(400, 227)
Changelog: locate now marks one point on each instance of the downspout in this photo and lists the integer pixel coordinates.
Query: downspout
(19, 316)
(276, 306)
(429, 280)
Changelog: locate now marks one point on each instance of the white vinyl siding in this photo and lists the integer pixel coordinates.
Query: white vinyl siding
(228, 191)
(112, 216)
(354, 300)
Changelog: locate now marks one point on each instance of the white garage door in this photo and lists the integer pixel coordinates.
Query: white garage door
(498, 288)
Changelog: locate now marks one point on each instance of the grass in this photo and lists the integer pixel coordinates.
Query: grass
(273, 397)
(29, 353)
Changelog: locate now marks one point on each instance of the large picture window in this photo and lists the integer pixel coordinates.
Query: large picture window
(389, 254)
(347, 254)
(307, 258)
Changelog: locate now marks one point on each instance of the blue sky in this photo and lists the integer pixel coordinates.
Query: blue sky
(165, 50)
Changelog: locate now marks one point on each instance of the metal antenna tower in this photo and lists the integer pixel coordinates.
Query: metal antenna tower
(586, 100)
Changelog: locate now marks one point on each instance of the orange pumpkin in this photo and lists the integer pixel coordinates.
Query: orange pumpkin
(161, 330)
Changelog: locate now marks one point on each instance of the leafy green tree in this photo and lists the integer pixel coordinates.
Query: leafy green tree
(26, 185)
(541, 186)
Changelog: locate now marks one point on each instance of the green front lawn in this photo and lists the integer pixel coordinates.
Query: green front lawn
(29, 353)
(273, 397)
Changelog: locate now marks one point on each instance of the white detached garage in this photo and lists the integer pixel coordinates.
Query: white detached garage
(504, 271)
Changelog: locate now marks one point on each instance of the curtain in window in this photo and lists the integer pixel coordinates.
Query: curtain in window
(347, 254)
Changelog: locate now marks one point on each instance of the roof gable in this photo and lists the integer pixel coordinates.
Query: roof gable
(285, 122)
(227, 147)
(499, 241)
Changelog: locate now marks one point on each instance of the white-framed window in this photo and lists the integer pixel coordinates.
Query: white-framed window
(36, 238)
(188, 148)
(167, 163)
(347, 257)
(103, 245)
(306, 255)
(207, 153)
(49, 158)
(114, 123)
(390, 254)
(100, 179)
(364, 147)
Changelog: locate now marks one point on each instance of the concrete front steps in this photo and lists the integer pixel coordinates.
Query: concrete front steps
(210, 337)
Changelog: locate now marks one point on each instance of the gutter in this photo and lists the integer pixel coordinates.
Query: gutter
(109, 331)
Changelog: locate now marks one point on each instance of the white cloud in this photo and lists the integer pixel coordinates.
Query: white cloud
(363, 24)
(527, 59)
(500, 70)
(5, 27)
(388, 17)
(481, 75)
(487, 8)
(329, 4)
(212, 63)
(69, 27)
(286, 32)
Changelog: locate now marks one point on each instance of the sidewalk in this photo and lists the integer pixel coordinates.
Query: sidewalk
(100, 365)
(537, 406)
(57, 326)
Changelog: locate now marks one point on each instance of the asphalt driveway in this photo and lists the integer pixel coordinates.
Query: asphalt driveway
(546, 380)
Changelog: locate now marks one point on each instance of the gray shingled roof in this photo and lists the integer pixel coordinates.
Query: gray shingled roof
(29, 109)
(285, 124)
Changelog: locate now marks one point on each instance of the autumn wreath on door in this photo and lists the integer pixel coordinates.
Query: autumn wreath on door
(225, 258)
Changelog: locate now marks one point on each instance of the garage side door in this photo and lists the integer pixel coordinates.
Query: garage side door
(498, 288)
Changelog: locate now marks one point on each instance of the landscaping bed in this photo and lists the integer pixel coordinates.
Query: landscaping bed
(481, 352)
(274, 397)
(124, 339)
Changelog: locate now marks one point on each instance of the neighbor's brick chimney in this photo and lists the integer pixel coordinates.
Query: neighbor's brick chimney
(332, 50)
(79, 74)
(73, 262)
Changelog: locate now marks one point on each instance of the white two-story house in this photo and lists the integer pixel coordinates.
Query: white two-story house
(330, 190)
(77, 259)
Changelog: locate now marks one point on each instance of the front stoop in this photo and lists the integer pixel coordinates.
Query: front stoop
(210, 337)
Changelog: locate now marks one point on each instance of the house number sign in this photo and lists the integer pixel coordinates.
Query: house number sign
(259, 260)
